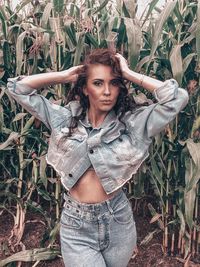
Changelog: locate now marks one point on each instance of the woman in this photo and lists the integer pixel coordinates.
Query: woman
(98, 141)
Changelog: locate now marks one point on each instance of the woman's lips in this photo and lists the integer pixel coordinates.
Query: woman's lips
(106, 101)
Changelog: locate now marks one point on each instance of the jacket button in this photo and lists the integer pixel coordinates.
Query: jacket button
(70, 175)
(91, 151)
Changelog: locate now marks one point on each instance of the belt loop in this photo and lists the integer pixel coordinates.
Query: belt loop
(109, 207)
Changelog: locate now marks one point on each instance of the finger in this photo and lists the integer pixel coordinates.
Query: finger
(118, 55)
(74, 77)
(121, 58)
(79, 67)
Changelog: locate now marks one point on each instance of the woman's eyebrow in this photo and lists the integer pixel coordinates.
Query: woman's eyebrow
(98, 79)
(101, 80)
(116, 79)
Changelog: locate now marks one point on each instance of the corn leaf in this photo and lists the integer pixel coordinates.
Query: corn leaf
(21, 5)
(42, 170)
(19, 116)
(149, 237)
(56, 28)
(192, 176)
(71, 33)
(167, 11)
(194, 150)
(182, 220)
(12, 138)
(91, 40)
(7, 54)
(37, 254)
(79, 49)
(178, 13)
(3, 24)
(58, 5)
(104, 24)
(129, 8)
(141, 63)
(198, 37)
(28, 125)
(134, 36)
(20, 52)
(102, 5)
(149, 12)
(187, 60)
(1, 118)
(177, 63)
(54, 233)
(46, 14)
(157, 173)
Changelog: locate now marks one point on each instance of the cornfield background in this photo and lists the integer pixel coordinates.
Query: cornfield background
(43, 36)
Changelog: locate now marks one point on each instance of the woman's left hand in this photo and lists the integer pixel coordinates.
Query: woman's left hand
(123, 65)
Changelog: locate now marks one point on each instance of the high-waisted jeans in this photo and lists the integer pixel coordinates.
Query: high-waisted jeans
(97, 235)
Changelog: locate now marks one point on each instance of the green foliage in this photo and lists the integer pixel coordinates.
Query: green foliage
(56, 35)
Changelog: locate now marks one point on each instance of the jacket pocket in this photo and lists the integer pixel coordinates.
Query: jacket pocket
(109, 139)
(65, 143)
(123, 148)
(123, 213)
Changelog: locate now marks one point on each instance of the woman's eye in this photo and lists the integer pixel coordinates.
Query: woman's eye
(97, 83)
(115, 82)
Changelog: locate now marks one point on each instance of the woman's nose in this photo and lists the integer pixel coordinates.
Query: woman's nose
(106, 89)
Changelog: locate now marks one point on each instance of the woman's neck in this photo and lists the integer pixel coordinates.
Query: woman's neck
(95, 118)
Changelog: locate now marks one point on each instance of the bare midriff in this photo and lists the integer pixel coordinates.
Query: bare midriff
(88, 189)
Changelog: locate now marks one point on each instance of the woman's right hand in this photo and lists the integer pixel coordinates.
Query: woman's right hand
(71, 74)
(40, 80)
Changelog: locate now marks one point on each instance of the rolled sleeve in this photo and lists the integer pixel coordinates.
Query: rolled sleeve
(19, 88)
(167, 92)
(148, 121)
(50, 114)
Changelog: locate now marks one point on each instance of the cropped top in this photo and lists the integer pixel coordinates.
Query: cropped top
(115, 149)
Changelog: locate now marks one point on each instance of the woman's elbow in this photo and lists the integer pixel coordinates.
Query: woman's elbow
(183, 97)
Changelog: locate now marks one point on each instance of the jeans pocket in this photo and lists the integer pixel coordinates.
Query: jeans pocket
(123, 213)
(71, 221)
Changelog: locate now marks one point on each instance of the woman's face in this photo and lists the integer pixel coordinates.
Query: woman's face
(102, 88)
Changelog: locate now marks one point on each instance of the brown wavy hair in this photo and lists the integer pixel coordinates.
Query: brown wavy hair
(125, 102)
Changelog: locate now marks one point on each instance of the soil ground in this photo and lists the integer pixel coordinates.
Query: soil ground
(150, 255)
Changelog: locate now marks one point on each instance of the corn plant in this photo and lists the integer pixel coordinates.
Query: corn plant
(55, 35)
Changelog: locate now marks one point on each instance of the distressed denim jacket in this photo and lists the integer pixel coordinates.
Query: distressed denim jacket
(116, 149)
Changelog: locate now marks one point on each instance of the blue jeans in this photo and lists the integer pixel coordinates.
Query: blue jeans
(97, 235)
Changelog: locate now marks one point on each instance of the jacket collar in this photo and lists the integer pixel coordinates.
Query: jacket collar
(110, 119)
(76, 110)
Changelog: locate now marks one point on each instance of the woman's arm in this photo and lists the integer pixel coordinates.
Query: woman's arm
(142, 80)
(37, 81)
(22, 89)
(147, 121)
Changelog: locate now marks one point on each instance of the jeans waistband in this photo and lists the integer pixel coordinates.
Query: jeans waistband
(91, 211)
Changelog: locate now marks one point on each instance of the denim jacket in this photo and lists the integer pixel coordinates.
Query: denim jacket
(116, 149)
